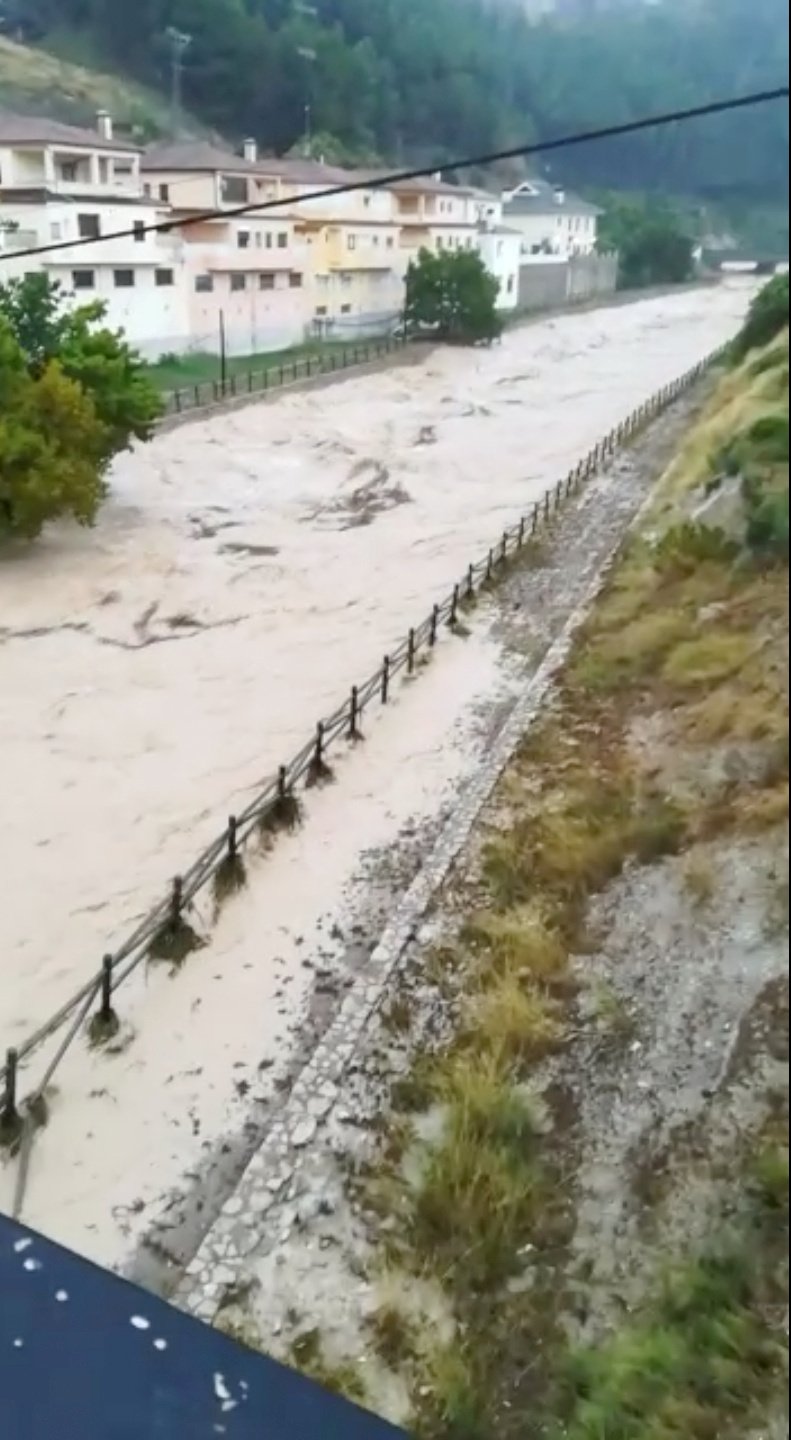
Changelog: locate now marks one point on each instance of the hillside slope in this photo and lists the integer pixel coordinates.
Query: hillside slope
(33, 81)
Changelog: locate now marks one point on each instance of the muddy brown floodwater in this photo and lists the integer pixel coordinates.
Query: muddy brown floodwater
(245, 571)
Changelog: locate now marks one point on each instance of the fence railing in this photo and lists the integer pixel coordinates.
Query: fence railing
(275, 377)
(275, 806)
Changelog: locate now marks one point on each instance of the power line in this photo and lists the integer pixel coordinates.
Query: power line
(382, 182)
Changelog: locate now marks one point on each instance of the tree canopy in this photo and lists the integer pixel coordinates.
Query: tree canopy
(453, 296)
(74, 394)
(653, 244)
(407, 78)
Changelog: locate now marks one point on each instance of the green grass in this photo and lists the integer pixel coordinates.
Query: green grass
(179, 372)
(702, 1361)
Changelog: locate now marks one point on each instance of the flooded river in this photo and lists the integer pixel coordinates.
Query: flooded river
(245, 571)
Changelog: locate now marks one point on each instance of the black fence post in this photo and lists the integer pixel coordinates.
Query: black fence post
(233, 838)
(177, 401)
(176, 901)
(354, 714)
(432, 634)
(197, 397)
(386, 679)
(107, 1015)
(547, 505)
(471, 583)
(410, 657)
(521, 537)
(536, 514)
(489, 567)
(9, 1116)
(453, 617)
(504, 548)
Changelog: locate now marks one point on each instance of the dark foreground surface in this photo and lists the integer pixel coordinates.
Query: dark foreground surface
(86, 1356)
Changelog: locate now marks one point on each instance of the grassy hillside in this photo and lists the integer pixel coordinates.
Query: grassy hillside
(35, 82)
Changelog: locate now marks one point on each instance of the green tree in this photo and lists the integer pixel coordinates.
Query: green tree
(51, 445)
(454, 296)
(99, 360)
(651, 240)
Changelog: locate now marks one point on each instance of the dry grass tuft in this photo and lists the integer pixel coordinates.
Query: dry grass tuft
(521, 1022)
(700, 877)
(709, 659)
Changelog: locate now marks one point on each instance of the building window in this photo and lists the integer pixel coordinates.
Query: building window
(321, 310)
(295, 281)
(346, 309)
(243, 239)
(269, 239)
(351, 242)
(204, 284)
(139, 228)
(84, 279)
(233, 190)
(266, 282)
(282, 241)
(238, 282)
(90, 227)
(69, 171)
(390, 242)
(147, 191)
(124, 279)
(164, 194)
(56, 231)
(165, 278)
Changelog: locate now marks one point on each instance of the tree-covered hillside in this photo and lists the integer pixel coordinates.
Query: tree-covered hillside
(435, 78)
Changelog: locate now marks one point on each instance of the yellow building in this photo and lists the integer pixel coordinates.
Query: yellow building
(355, 271)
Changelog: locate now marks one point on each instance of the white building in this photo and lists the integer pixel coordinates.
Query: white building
(59, 183)
(551, 220)
(499, 246)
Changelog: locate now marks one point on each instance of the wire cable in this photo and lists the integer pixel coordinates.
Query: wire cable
(400, 177)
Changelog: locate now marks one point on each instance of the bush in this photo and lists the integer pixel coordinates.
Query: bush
(768, 316)
(767, 522)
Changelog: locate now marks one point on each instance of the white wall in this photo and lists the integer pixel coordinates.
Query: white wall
(501, 254)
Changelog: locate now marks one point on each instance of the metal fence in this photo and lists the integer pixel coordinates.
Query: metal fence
(274, 805)
(276, 377)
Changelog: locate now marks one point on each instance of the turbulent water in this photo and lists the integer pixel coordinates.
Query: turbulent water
(245, 571)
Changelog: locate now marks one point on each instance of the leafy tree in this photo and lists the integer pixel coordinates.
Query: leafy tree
(651, 240)
(99, 360)
(454, 296)
(51, 445)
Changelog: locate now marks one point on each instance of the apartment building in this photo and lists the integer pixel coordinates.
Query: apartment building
(551, 220)
(57, 183)
(355, 277)
(246, 276)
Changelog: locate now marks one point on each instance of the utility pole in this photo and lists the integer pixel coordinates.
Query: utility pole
(179, 43)
(310, 57)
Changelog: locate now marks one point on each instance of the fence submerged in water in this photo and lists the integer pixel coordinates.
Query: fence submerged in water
(165, 932)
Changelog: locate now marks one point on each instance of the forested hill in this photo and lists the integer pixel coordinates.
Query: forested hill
(431, 79)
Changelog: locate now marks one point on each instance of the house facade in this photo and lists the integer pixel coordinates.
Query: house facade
(245, 275)
(59, 183)
(551, 220)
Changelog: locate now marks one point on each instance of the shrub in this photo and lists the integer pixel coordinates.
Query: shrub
(767, 317)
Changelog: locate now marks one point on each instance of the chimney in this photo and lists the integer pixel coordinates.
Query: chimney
(104, 124)
(560, 195)
(251, 151)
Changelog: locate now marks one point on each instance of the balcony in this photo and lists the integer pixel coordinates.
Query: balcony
(12, 241)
